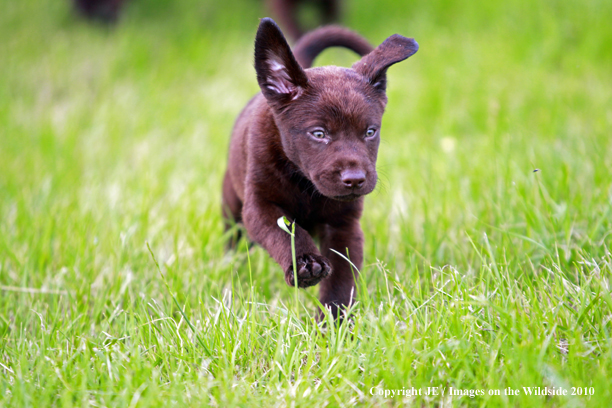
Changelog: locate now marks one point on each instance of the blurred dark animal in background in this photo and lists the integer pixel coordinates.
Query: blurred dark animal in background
(287, 13)
(101, 10)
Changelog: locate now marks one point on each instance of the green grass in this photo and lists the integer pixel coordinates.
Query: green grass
(479, 272)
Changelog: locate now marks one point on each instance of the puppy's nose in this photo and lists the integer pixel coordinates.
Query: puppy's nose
(353, 178)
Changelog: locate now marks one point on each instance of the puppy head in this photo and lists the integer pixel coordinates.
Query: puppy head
(329, 117)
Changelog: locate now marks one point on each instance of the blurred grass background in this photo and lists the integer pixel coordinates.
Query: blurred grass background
(480, 272)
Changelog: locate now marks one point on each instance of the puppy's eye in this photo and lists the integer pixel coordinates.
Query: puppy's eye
(319, 134)
(370, 132)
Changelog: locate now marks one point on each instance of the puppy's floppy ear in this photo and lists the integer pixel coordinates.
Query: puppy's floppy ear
(374, 65)
(280, 77)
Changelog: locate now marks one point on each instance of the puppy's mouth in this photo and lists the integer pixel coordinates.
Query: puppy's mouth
(347, 197)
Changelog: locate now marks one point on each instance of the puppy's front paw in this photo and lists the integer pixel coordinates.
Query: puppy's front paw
(311, 269)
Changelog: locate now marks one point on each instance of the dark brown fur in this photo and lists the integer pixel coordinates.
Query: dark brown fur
(279, 165)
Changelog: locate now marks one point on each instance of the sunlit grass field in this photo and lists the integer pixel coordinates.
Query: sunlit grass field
(487, 257)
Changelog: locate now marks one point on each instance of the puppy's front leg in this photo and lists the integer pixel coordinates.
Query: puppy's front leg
(260, 221)
(338, 291)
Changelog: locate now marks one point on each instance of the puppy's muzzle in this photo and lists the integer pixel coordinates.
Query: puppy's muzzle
(353, 183)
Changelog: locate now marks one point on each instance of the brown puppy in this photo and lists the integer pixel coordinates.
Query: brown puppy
(306, 148)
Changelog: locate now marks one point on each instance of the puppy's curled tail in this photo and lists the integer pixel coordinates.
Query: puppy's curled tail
(311, 44)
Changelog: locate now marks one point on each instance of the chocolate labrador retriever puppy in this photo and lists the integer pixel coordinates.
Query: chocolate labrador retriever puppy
(306, 148)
